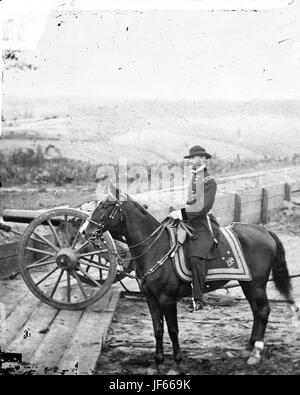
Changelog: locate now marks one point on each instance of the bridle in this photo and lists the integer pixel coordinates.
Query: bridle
(98, 233)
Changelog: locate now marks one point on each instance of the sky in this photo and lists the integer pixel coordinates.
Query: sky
(163, 54)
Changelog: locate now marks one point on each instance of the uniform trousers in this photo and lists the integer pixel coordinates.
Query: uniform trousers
(199, 269)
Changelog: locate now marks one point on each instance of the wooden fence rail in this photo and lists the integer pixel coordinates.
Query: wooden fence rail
(251, 205)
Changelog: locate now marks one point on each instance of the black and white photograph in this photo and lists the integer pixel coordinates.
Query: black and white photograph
(150, 190)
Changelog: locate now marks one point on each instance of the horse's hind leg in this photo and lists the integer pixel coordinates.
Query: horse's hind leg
(169, 308)
(158, 327)
(258, 300)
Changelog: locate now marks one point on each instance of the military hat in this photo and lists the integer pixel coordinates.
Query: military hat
(197, 150)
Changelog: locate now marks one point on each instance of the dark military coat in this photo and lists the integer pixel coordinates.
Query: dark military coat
(201, 197)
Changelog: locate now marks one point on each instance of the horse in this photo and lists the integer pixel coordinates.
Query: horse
(148, 242)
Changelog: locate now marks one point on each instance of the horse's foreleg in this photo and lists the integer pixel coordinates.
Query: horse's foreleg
(158, 327)
(259, 303)
(169, 308)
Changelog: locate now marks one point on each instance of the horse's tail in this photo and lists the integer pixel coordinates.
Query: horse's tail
(279, 269)
(281, 275)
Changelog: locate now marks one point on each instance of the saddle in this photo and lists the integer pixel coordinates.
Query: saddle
(229, 264)
(182, 230)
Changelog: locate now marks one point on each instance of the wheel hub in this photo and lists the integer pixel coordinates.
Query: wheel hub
(66, 259)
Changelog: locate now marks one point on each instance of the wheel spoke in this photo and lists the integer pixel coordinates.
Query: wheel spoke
(79, 283)
(92, 253)
(57, 282)
(46, 241)
(47, 275)
(82, 246)
(40, 251)
(35, 265)
(38, 241)
(90, 261)
(95, 265)
(67, 230)
(77, 234)
(68, 287)
(39, 261)
(89, 277)
(59, 242)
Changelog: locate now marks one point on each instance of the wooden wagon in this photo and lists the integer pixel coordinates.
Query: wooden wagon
(58, 265)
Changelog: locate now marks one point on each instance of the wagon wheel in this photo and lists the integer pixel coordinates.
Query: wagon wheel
(54, 258)
(88, 204)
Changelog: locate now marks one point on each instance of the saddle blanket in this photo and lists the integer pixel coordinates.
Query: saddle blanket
(229, 265)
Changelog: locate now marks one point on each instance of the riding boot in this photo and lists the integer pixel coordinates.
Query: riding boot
(199, 272)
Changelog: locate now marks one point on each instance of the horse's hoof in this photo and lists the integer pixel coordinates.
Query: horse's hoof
(254, 360)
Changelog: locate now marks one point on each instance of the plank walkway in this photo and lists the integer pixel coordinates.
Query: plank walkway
(52, 341)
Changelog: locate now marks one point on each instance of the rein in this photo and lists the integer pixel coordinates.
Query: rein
(159, 231)
(101, 225)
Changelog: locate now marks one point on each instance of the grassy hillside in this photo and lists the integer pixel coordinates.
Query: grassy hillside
(99, 131)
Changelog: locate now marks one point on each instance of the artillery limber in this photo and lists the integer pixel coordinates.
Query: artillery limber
(58, 264)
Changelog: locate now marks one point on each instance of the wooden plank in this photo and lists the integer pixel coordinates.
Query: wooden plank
(47, 356)
(8, 266)
(237, 208)
(265, 206)
(251, 205)
(17, 319)
(251, 195)
(9, 290)
(224, 216)
(101, 304)
(10, 303)
(86, 345)
(30, 337)
(253, 216)
(224, 201)
(287, 192)
(276, 196)
(8, 250)
(10, 297)
(9, 259)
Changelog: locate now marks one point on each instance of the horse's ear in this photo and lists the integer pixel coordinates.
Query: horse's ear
(112, 191)
(115, 193)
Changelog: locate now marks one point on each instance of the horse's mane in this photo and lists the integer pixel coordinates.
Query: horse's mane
(141, 208)
(135, 203)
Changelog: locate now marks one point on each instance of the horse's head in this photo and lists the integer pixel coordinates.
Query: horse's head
(107, 216)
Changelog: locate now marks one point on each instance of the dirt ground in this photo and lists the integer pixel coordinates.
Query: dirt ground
(213, 340)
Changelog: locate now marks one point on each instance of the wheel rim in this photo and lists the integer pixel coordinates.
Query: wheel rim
(54, 258)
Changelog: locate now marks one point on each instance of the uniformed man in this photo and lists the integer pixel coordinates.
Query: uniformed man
(202, 246)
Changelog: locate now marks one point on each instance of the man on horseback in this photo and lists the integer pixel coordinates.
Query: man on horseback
(202, 246)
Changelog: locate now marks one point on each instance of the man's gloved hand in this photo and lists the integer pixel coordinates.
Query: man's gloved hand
(176, 215)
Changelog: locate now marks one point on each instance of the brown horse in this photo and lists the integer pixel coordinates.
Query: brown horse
(149, 242)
